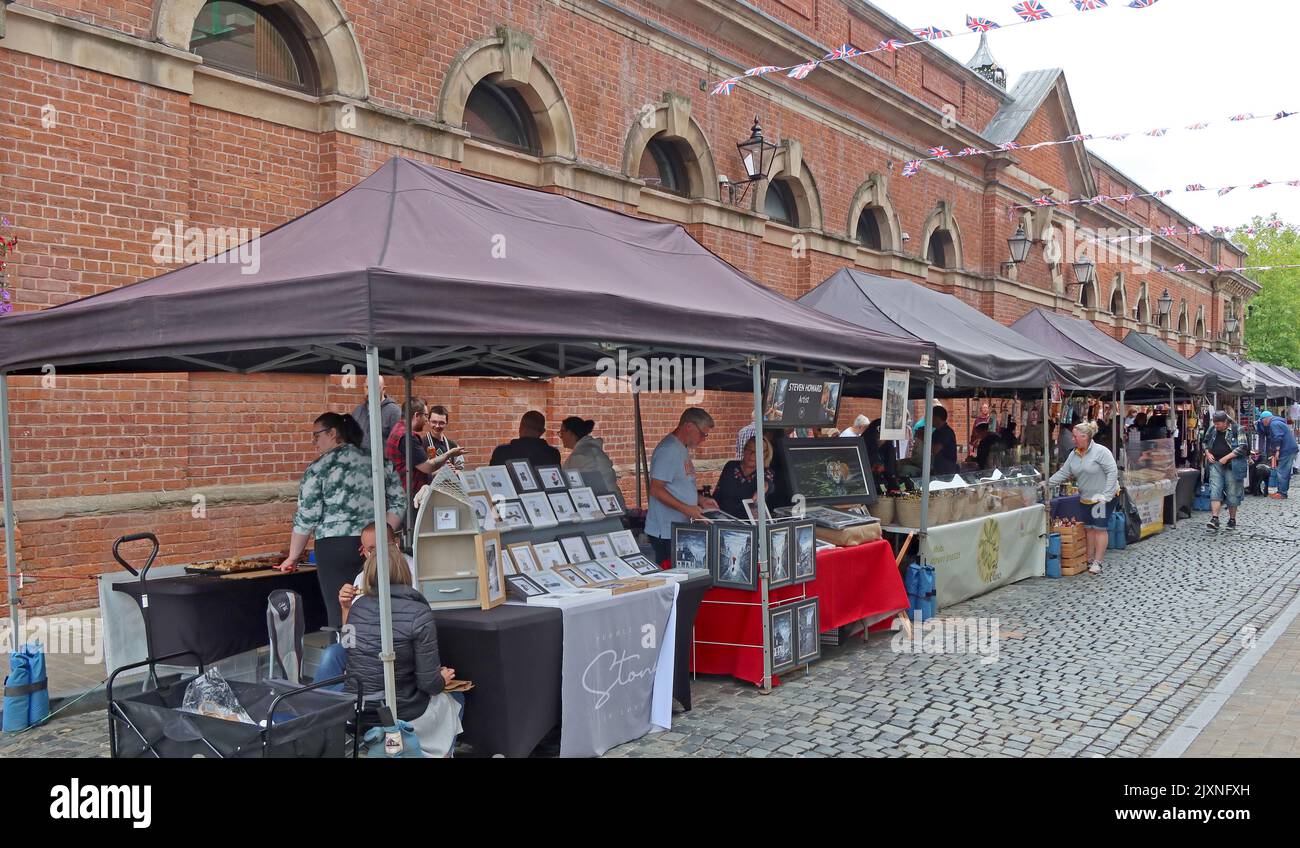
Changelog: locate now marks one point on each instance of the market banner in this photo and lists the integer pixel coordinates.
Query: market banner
(617, 670)
(1149, 498)
(973, 557)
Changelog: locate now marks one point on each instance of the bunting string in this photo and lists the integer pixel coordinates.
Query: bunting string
(1029, 11)
(1167, 232)
(1124, 199)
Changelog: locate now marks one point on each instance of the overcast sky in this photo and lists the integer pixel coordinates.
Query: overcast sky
(1176, 63)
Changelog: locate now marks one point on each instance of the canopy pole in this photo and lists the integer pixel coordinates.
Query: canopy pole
(381, 528)
(1171, 420)
(408, 533)
(1122, 445)
(640, 445)
(11, 524)
(926, 455)
(760, 508)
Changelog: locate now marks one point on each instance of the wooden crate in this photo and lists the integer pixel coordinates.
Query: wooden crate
(1073, 565)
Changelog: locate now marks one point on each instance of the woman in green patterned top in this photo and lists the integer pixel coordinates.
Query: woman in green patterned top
(335, 504)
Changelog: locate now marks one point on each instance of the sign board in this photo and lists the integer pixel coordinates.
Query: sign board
(799, 400)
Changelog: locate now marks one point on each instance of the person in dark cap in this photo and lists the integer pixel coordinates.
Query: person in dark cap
(1225, 457)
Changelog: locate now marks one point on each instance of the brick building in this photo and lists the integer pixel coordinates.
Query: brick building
(125, 117)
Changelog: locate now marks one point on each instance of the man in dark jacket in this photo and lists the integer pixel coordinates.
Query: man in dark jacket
(530, 445)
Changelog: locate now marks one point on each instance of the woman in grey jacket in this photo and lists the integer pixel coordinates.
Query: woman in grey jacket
(1093, 470)
(587, 452)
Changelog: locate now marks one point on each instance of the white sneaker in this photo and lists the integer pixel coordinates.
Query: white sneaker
(1094, 567)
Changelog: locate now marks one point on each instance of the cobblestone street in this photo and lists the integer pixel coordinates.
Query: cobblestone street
(1086, 666)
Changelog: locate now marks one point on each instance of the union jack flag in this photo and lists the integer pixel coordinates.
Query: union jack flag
(1141, 4)
(931, 33)
(1277, 225)
(1101, 198)
(1295, 183)
(1217, 267)
(1195, 187)
(726, 86)
(1283, 114)
(1168, 231)
(1202, 270)
(969, 151)
(1089, 5)
(1081, 137)
(1225, 190)
(939, 152)
(1198, 126)
(1123, 198)
(1261, 184)
(847, 51)
(1044, 201)
(1245, 117)
(1181, 266)
(1164, 192)
(911, 166)
(1193, 231)
(803, 70)
(1010, 145)
(890, 45)
(760, 70)
(1031, 10)
(1118, 136)
(1250, 231)
(1157, 133)
(979, 24)
(1218, 231)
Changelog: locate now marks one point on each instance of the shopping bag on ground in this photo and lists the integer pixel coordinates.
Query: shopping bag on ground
(1132, 520)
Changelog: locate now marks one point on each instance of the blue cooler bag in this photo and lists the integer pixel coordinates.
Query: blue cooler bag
(26, 690)
(1117, 530)
(919, 584)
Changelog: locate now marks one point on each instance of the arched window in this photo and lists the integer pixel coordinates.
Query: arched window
(1117, 302)
(868, 230)
(1200, 327)
(256, 41)
(664, 167)
(1143, 314)
(498, 114)
(779, 203)
(1182, 319)
(940, 250)
(1085, 296)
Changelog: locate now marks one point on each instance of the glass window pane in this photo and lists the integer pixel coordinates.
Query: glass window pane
(491, 113)
(778, 204)
(238, 38)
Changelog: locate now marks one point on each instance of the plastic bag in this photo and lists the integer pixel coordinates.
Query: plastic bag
(210, 695)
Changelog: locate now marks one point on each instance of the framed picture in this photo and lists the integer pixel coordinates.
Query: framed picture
(805, 552)
(483, 512)
(780, 624)
(585, 502)
(491, 577)
(618, 567)
(624, 543)
(834, 519)
(507, 563)
(829, 471)
(642, 565)
(601, 546)
(512, 516)
(780, 555)
(552, 478)
(752, 513)
(522, 470)
(497, 482)
(522, 587)
(550, 554)
(576, 548)
(446, 519)
(893, 407)
(808, 642)
(595, 572)
(470, 482)
(690, 545)
(575, 479)
(551, 582)
(734, 555)
(562, 504)
(609, 504)
(539, 510)
(525, 557)
(572, 575)
(800, 400)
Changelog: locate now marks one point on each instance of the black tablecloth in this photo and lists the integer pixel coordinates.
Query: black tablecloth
(514, 655)
(217, 617)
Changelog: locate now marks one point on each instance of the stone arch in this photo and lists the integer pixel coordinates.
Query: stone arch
(1200, 323)
(942, 219)
(671, 120)
(1089, 296)
(323, 24)
(1118, 303)
(788, 165)
(509, 55)
(1182, 318)
(873, 198)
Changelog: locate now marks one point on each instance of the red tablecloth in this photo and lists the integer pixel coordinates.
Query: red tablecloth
(852, 584)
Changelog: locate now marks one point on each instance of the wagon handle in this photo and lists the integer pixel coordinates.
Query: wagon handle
(137, 537)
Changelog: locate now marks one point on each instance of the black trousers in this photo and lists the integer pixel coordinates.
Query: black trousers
(663, 548)
(338, 562)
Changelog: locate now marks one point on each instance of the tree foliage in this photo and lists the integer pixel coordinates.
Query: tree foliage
(1273, 317)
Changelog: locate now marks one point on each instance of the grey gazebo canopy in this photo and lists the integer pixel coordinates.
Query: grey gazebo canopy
(1151, 347)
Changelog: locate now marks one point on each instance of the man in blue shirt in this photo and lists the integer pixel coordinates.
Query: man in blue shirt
(1281, 447)
(674, 496)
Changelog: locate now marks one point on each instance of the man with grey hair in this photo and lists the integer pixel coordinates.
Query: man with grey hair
(857, 428)
(674, 497)
(389, 414)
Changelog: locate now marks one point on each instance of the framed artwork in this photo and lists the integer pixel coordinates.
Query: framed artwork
(690, 545)
(511, 515)
(562, 504)
(642, 565)
(829, 471)
(539, 510)
(624, 543)
(800, 400)
(551, 582)
(470, 482)
(522, 470)
(491, 577)
(575, 479)
(618, 567)
(497, 482)
(601, 546)
(834, 519)
(483, 511)
(575, 578)
(780, 624)
(522, 587)
(808, 642)
(552, 478)
(525, 558)
(550, 554)
(893, 407)
(609, 504)
(595, 572)
(734, 555)
(780, 547)
(805, 552)
(576, 548)
(508, 563)
(585, 502)
(752, 513)
(446, 519)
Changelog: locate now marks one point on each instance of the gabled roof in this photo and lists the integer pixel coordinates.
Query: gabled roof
(1031, 91)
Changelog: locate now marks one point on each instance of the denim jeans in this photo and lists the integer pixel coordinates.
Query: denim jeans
(333, 662)
(1224, 485)
(1284, 465)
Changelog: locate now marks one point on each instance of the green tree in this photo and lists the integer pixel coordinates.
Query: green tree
(1273, 316)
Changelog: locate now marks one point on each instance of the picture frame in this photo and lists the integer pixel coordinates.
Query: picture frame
(595, 572)
(576, 548)
(552, 478)
(893, 406)
(470, 482)
(807, 623)
(551, 581)
(804, 552)
(498, 483)
(562, 506)
(525, 557)
(538, 507)
(525, 478)
(834, 519)
(446, 519)
(572, 575)
(512, 515)
(601, 546)
(586, 503)
(829, 471)
(550, 554)
(800, 400)
(780, 624)
(690, 545)
(522, 587)
(735, 556)
(484, 512)
(575, 479)
(752, 514)
(507, 563)
(619, 568)
(780, 555)
(610, 505)
(642, 565)
(624, 543)
(491, 575)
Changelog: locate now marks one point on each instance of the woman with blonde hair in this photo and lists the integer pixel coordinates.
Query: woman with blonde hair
(1093, 470)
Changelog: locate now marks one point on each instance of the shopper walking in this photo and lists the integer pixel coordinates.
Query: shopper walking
(1226, 463)
(1092, 468)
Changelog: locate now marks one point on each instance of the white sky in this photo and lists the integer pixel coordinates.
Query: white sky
(1176, 63)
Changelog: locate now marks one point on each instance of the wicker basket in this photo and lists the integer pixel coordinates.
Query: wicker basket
(907, 512)
(883, 509)
(941, 506)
